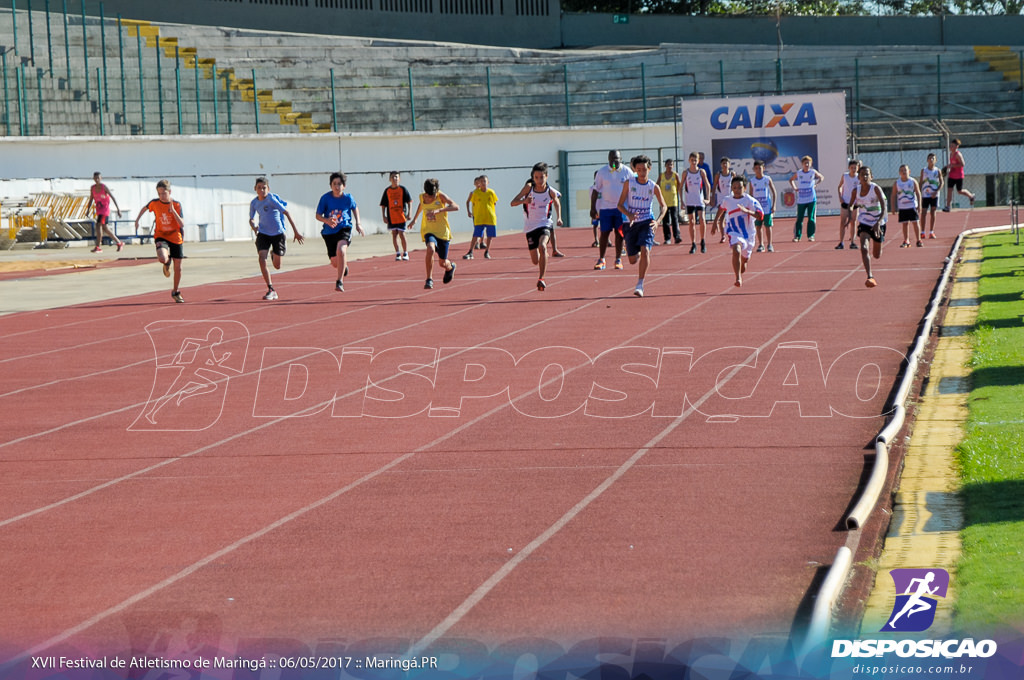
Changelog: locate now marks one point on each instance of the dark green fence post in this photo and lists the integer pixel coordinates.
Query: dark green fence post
(85, 51)
(565, 81)
(142, 87)
(31, 35)
(160, 85)
(99, 108)
(19, 82)
(779, 86)
(856, 86)
(938, 86)
(103, 48)
(412, 102)
(177, 94)
(255, 101)
(216, 109)
(490, 102)
(120, 60)
(7, 98)
(39, 91)
(67, 43)
(199, 106)
(563, 184)
(643, 87)
(14, 19)
(721, 77)
(1021, 74)
(334, 106)
(227, 96)
(49, 43)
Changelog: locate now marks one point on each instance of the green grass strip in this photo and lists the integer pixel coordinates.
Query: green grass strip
(990, 577)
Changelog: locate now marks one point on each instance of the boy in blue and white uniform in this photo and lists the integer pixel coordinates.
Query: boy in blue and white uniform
(906, 197)
(739, 208)
(762, 188)
(270, 235)
(931, 186)
(543, 207)
(638, 195)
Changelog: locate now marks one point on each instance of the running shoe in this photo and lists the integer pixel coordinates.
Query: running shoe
(811, 239)
(398, 257)
(639, 290)
(271, 294)
(468, 256)
(167, 268)
(771, 249)
(176, 296)
(931, 234)
(558, 253)
(339, 286)
(693, 248)
(618, 263)
(920, 244)
(854, 246)
(946, 209)
(97, 249)
(405, 256)
(922, 236)
(665, 242)
(541, 285)
(905, 244)
(678, 241)
(448, 275)
(487, 254)
(595, 244)
(840, 246)
(703, 248)
(760, 249)
(971, 199)
(120, 246)
(429, 284)
(600, 264)
(871, 283)
(796, 239)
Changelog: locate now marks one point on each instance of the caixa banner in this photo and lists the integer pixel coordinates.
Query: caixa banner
(776, 130)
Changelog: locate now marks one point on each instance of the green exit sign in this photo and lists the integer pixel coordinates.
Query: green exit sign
(620, 18)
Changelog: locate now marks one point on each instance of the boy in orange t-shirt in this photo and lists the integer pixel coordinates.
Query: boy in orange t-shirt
(168, 232)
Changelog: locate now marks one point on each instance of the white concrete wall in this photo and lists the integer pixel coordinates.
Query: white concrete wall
(213, 177)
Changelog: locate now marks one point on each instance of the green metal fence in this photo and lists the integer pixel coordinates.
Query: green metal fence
(70, 69)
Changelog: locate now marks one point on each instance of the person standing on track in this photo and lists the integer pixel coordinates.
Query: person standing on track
(931, 186)
(482, 207)
(434, 228)
(543, 207)
(721, 187)
(668, 181)
(395, 203)
(638, 194)
(906, 197)
(739, 207)
(847, 184)
(271, 237)
(956, 175)
(168, 233)
(805, 182)
(338, 212)
(604, 205)
(762, 188)
(100, 195)
(696, 187)
(869, 211)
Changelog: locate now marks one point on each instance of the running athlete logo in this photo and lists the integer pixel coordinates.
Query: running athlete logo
(915, 606)
(194, 362)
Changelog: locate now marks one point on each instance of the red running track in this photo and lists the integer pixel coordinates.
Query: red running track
(521, 514)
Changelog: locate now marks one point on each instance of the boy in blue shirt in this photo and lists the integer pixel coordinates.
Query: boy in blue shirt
(270, 235)
(338, 213)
